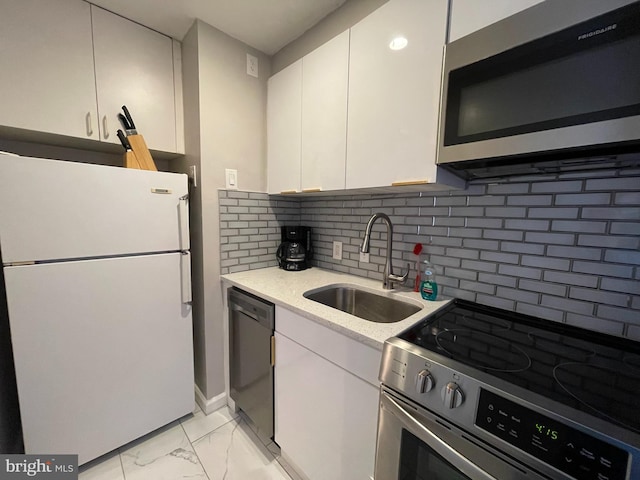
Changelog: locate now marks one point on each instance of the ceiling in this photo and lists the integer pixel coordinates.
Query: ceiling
(267, 25)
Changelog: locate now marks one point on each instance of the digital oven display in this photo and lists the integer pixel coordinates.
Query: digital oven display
(547, 431)
(565, 448)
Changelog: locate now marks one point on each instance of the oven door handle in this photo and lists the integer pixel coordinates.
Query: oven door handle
(436, 443)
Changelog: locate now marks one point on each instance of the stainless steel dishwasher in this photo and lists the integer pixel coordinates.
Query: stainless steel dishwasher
(251, 325)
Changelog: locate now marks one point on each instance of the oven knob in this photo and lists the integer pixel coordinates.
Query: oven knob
(452, 395)
(424, 381)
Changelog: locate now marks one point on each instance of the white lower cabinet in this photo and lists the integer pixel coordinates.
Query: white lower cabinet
(325, 415)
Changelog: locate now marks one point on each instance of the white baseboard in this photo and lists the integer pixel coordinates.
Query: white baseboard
(210, 405)
(290, 467)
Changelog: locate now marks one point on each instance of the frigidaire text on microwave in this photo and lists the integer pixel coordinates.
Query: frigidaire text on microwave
(555, 87)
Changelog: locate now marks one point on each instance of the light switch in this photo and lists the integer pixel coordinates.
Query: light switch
(193, 175)
(231, 176)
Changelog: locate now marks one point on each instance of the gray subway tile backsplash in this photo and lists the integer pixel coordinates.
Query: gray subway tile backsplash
(583, 199)
(579, 226)
(603, 269)
(613, 184)
(553, 212)
(625, 228)
(564, 248)
(555, 186)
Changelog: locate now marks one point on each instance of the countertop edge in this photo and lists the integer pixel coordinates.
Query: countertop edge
(339, 324)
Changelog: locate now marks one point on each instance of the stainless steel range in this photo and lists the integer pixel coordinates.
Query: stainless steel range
(475, 392)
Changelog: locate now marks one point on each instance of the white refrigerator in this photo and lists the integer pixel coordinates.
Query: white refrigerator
(97, 280)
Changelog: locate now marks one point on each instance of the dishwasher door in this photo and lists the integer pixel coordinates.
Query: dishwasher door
(251, 325)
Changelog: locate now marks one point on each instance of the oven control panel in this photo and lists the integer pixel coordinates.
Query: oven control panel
(565, 448)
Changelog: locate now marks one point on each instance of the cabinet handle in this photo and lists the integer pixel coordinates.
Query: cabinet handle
(411, 182)
(273, 351)
(105, 127)
(312, 190)
(288, 192)
(88, 123)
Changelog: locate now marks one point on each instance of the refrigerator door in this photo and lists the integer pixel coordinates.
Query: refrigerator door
(53, 210)
(103, 351)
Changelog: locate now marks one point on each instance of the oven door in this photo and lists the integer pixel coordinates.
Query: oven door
(414, 444)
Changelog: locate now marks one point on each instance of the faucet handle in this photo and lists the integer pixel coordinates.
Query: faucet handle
(400, 278)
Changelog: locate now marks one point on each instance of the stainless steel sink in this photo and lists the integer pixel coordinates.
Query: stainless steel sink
(363, 304)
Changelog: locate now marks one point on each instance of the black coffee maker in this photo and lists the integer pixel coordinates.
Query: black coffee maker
(294, 253)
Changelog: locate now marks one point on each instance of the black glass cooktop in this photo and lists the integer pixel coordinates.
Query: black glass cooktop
(589, 371)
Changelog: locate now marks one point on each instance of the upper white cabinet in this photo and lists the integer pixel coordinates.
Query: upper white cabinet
(68, 67)
(369, 107)
(467, 16)
(284, 108)
(307, 121)
(134, 67)
(325, 76)
(46, 57)
(394, 94)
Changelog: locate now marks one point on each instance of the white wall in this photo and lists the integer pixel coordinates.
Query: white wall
(225, 123)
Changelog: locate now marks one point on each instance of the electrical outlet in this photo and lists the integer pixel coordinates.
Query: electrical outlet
(252, 65)
(364, 257)
(337, 250)
(231, 176)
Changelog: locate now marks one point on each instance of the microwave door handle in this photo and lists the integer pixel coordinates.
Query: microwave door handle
(438, 445)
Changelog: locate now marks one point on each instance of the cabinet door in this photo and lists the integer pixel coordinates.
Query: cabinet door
(134, 67)
(284, 109)
(325, 416)
(46, 58)
(325, 75)
(467, 16)
(394, 94)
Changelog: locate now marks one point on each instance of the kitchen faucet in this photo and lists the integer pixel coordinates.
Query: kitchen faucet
(388, 278)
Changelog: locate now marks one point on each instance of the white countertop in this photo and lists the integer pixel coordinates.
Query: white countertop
(286, 289)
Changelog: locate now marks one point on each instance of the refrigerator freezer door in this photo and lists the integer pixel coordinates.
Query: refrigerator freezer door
(52, 210)
(103, 351)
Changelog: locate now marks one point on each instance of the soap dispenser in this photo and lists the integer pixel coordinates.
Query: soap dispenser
(428, 287)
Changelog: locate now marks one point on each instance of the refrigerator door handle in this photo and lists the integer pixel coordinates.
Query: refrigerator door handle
(185, 277)
(183, 219)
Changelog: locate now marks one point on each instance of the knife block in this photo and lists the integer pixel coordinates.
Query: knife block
(142, 154)
(130, 160)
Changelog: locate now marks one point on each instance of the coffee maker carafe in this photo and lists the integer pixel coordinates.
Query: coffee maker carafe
(294, 253)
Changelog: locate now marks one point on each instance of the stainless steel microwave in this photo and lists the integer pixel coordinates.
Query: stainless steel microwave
(554, 87)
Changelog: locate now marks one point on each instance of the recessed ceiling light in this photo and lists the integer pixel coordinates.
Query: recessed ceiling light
(398, 43)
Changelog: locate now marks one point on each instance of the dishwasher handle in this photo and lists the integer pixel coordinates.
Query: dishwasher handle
(257, 309)
(245, 311)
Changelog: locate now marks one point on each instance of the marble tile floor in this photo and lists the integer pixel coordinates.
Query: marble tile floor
(218, 446)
